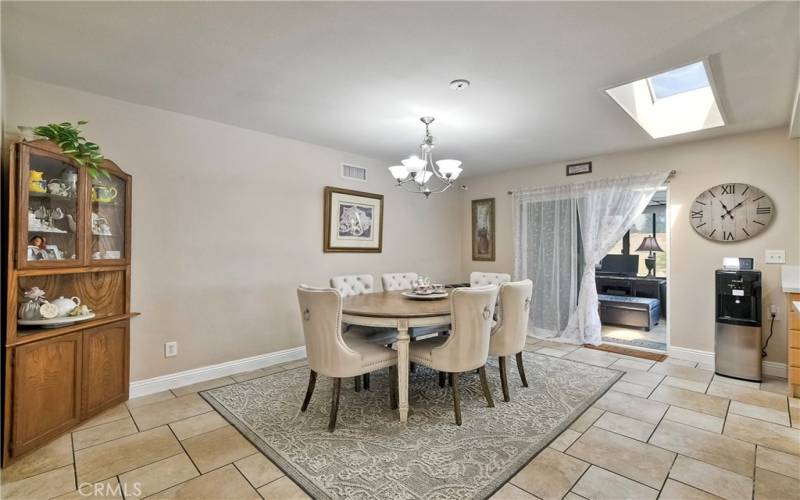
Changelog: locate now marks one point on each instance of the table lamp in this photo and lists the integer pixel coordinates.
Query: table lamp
(649, 244)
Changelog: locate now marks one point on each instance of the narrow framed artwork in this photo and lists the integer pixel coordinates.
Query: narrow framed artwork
(483, 237)
(352, 221)
(579, 168)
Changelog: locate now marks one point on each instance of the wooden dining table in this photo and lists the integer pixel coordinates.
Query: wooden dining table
(393, 310)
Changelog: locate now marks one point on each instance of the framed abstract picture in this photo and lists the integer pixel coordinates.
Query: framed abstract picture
(353, 221)
(483, 229)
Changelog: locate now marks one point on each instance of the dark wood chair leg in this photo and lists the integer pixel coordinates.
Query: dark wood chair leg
(337, 386)
(456, 397)
(504, 378)
(441, 379)
(357, 382)
(485, 387)
(366, 381)
(393, 387)
(312, 381)
(521, 369)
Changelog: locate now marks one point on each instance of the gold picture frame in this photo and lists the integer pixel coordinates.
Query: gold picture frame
(352, 221)
(483, 230)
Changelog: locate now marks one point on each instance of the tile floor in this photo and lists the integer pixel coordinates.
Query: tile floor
(670, 430)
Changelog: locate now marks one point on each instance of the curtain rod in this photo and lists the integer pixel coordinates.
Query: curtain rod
(672, 173)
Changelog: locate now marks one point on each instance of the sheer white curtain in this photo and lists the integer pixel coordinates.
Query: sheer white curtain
(547, 224)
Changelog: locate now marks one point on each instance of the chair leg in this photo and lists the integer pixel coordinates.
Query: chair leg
(521, 369)
(357, 382)
(393, 387)
(456, 397)
(485, 386)
(441, 379)
(337, 386)
(504, 378)
(312, 381)
(366, 381)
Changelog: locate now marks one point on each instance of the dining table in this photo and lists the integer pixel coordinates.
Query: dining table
(394, 310)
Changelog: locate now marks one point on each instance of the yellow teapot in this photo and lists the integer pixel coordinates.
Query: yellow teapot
(104, 194)
(37, 183)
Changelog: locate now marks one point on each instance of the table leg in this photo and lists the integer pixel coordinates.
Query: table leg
(402, 367)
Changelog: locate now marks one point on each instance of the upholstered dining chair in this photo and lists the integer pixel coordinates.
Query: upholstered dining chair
(508, 336)
(484, 279)
(353, 284)
(336, 355)
(467, 347)
(398, 281)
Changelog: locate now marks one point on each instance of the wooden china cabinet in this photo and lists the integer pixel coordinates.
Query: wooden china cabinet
(69, 235)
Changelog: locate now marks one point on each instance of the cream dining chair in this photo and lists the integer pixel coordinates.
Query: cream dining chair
(467, 347)
(332, 354)
(484, 279)
(398, 281)
(508, 336)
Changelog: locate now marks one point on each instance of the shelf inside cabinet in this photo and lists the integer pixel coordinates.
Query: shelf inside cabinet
(27, 335)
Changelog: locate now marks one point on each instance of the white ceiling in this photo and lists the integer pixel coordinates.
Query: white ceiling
(357, 76)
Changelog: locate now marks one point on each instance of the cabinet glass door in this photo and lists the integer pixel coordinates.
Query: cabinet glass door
(51, 191)
(108, 218)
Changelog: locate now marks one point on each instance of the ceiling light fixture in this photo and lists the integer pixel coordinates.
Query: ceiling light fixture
(459, 84)
(418, 174)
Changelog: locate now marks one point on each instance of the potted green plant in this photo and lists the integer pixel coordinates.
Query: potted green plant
(73, 144)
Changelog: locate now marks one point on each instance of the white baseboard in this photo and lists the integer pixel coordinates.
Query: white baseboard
(157, 384)
(774, 369)
(770, 368)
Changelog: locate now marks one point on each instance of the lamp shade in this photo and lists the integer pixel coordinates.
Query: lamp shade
(422, 177)
(414, 164)
(649, 244)
(447, 167)
(399, 172)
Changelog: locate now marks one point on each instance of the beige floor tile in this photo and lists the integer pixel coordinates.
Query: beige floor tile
(771, 486)
(626, 364)
(794, 411)
(150, 399)
(262, 372)
(642, 409)
(116, 413)
(695, 419)
(258, 469)
(712, 479)
(572, 496)
(599, 484)
(761, 412)
(683, 383)
(217, 448)
(564, 440)
(736, 381)
(778, 461)
(706, 366)
(511, 492)
(300, 363)
(691, 400)
(725, 452)
(158, 476)
(104, 489)
(586, 419)
(45, 485)
(171, 410)
(775, 385)
(632, 389)
(103, 432)
(681, 362)
(561, 346)
(122, 455)
(198, 424)
(646, 379)
(550, 475)
(202, 386)
(673, 490)
(591, 357)
(223, 483)
(282, 489)
(53, 455)
(625, 456)
(763, 433)
(684, 372)
(747, 395)
(626, 426)
(549, 351)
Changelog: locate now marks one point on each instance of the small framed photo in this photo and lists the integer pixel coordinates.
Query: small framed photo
(579, 168)
(353, 221)
(53, 253)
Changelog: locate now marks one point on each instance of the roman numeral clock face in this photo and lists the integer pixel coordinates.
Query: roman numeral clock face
(731, 212)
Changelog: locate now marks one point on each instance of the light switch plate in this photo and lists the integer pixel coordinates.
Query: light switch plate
(774, 256)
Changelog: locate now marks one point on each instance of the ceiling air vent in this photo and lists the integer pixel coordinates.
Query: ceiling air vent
(354, 172)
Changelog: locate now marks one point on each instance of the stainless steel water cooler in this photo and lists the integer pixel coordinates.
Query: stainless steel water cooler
(737, 340)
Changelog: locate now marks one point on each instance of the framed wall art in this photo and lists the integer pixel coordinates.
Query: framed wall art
(579, 168)
(353, 221)
(483, 237)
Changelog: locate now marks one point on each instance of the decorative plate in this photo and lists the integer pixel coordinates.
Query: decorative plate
(55, 322)
(427, 296)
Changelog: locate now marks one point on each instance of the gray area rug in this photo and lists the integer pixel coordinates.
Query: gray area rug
(371, 455)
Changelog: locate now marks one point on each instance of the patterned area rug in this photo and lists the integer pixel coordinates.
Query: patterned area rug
(371, 455)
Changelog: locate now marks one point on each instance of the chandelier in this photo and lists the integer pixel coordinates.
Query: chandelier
(418, 174)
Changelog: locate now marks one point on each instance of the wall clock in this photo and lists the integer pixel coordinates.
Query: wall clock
(731, 212)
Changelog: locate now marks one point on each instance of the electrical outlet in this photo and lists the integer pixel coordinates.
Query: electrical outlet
(170, 349)
(774, 256)
(774, 311)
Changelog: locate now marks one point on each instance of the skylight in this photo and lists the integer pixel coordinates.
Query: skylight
(675, 102)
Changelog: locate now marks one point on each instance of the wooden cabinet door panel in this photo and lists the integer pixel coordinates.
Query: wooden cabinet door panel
(105, 366)
(46, 393)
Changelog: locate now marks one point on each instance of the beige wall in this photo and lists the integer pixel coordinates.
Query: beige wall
(227, 222)
(766, 159)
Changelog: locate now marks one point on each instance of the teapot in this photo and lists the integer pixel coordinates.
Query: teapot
(65, 305)
(57, 187)
(104, 194)
(37, 183)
